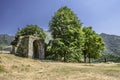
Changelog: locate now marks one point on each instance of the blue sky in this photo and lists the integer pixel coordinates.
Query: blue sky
(102, 15)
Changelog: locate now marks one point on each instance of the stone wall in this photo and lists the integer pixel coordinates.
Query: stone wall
(26, 47)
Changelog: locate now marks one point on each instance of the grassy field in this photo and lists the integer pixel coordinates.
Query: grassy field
(17, 68)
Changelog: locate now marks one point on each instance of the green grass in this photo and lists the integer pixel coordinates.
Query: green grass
(69, 69)
(2, 69)
(0, 60)
(112, 71)
(118, 64)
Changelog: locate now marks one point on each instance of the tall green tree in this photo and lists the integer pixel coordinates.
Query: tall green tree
(67, 33)
(94, 44)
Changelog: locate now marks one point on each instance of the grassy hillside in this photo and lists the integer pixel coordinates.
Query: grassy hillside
(112, 43)
(17, 68)
(5, 40)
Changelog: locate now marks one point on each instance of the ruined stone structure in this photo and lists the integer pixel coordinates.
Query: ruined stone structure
(29, 46)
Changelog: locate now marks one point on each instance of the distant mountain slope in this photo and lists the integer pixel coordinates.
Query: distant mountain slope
(5, 39)
(112, 43)
(48, 37)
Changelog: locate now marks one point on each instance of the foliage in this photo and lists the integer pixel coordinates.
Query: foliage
(29, 30)
(93, 44)
(56, 49)
(15, 41)
(67, 34)
(75, 56)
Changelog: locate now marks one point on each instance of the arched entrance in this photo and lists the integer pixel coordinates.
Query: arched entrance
(36, 49)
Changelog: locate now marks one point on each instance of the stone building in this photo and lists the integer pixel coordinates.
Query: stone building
(29, 46)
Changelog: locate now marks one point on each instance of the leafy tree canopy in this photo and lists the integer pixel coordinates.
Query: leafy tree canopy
(29, 30)
(94, 44)
(66, 31)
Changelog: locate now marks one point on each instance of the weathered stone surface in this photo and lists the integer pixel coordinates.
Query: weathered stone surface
(29, 46)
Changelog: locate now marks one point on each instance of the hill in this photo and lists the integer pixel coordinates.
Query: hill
(48, 37)
(6, 39)
(17, 68)
(112, 43)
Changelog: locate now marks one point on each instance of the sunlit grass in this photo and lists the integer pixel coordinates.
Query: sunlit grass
(17, 68)
(2, 69)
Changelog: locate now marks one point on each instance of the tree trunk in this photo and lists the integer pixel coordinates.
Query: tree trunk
(85, 58)
(105, 60)
(65, 57)
(89, 57)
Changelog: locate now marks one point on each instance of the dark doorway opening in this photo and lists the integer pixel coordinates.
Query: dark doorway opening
(36, 50)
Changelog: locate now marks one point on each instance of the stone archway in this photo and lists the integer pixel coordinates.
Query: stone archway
(36, 49)
(29, 46)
